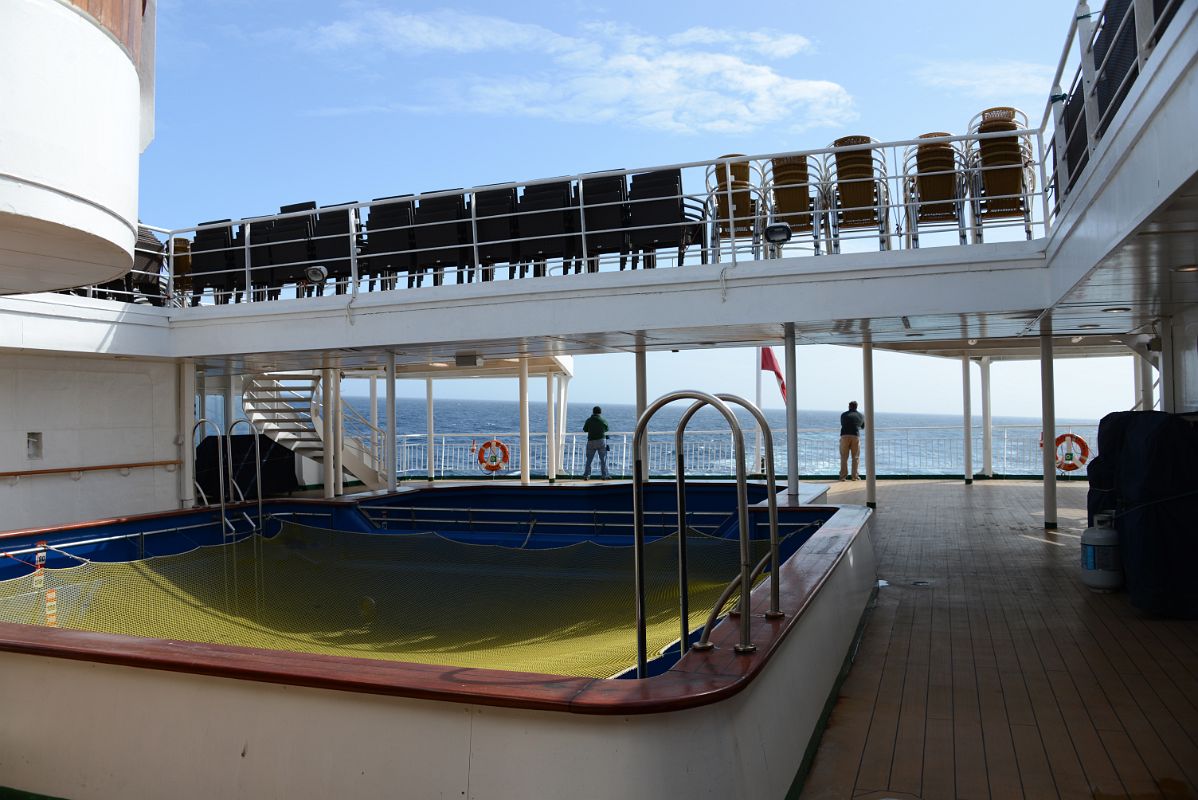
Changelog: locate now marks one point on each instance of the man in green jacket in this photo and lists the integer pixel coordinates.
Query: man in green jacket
(596, 431)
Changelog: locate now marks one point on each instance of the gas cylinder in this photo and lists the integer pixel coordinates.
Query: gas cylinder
(1102, 569)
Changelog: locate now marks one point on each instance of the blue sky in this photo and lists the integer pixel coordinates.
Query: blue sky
(267, 103)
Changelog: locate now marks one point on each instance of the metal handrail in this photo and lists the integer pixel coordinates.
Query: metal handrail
(222, 493)
(256, 541)
(638, 518)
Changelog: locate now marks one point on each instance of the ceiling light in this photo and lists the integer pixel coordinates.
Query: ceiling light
(1088, 326)
(512, 360)
(1186, 268)
(914, 334)
(437, 364)
(1076, 339)
(1117, 309)
(972, 342)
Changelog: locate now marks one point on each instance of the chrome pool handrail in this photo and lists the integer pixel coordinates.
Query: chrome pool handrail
(638, 518)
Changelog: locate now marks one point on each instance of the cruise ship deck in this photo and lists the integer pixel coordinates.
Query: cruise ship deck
(987, 670)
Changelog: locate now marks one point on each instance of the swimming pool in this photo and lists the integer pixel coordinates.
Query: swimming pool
(534, 580)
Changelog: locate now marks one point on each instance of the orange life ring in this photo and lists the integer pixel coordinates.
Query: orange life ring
(493, 455)
(1071, 460)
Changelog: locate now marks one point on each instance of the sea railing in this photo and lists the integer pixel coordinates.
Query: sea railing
(906, 451)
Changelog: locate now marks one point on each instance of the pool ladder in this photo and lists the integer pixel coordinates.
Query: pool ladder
(748, 571)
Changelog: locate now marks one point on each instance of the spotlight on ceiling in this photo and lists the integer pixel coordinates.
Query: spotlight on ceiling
(777, 233)
(1186, 268)
(1117, 309)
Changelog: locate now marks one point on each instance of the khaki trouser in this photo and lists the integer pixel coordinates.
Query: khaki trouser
(849, 444)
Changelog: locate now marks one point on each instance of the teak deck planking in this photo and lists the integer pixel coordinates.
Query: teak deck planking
(1002, 676)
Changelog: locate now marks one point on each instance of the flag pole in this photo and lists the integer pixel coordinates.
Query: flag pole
(757, 466)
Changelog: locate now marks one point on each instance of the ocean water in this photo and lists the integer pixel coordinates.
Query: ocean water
(906, 444)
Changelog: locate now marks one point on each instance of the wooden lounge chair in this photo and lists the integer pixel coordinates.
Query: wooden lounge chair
(858, 193)
(1003, 175)
(934, 187)
(793, 199)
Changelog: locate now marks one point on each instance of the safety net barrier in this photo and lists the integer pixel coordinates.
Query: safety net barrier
(417, 597)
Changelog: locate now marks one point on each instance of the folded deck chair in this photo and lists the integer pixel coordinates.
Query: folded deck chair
(794, 196)
(859, 194)
(604, 202)
(660, 216)
(389, 244)
(731, 185)
(934, 189)
(1003, 175)
(496, 229)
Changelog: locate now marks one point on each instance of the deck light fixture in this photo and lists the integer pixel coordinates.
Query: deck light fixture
(1186, 268)
(1117, 309)
(777, 233)
(316, 273)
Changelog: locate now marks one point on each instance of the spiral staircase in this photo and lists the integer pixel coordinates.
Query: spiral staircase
(288, 407)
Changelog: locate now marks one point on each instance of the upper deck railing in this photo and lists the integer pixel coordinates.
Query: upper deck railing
(1002, 179)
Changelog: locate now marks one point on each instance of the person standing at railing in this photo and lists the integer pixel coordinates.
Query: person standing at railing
(851, 423)
(596, 431)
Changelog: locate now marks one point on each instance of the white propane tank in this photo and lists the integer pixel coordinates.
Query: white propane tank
(1102, 569)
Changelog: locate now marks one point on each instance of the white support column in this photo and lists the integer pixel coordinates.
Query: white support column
(550, 431)
(1168, 401)
(374, 414)
(328, 437)
(1048, 414)
(431, 467)
(230, 403)
(967, 426)
(792, 414)
(642, 402)
(201, 394)
(525, 472)
(871, 474)
(563, 394)
(338, 434)
(987, 422)
(187, 420)
(1144, 373)
(389, 456)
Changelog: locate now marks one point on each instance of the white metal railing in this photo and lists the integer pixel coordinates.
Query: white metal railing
(899, 451)
(651, 217)
(1104, 52)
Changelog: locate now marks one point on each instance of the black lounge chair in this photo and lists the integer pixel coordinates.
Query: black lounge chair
(604, 203)
(333, 245)
(389, 242)
(218, 262)
(262, 261)
(442, 237)
(290, 249)
(496, 227)
(659, 217)
(548, 226)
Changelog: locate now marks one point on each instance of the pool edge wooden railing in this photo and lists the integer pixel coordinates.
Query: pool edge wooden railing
(27, 473)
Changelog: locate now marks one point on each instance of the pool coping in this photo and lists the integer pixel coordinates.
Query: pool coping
(697, 679)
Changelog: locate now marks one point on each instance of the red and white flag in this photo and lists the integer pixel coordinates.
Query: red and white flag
(770, 364)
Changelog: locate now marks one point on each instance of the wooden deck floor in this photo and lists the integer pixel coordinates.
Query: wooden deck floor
(988, 671)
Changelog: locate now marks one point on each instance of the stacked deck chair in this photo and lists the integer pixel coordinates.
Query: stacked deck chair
(147, 281)
(262, 273)
(442, 237)
(218, 262)
(179, 258)
(660, 217)
(337, 241)
(548, 224)
(934, 187)
(858, 192)
(730, 186)
(290, 249)
(796, 201)
(496, 230)
(1003, 174)
(604, 202)
(389, 242)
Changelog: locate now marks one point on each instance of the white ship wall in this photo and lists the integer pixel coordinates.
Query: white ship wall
(69, 142)
(90, 412)
(1185, 361)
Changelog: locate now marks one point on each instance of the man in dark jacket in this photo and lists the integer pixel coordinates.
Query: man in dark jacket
(851, 423)
(596, 431)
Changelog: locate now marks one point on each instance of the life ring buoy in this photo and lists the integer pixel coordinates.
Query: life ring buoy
(1071, 459)
(493, 455)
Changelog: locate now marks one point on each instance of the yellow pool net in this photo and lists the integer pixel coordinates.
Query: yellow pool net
(406, 597)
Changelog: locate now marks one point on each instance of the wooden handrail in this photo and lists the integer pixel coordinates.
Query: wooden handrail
(68, 470)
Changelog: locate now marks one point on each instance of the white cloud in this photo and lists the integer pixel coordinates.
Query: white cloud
(990, 80)
(697, 80)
